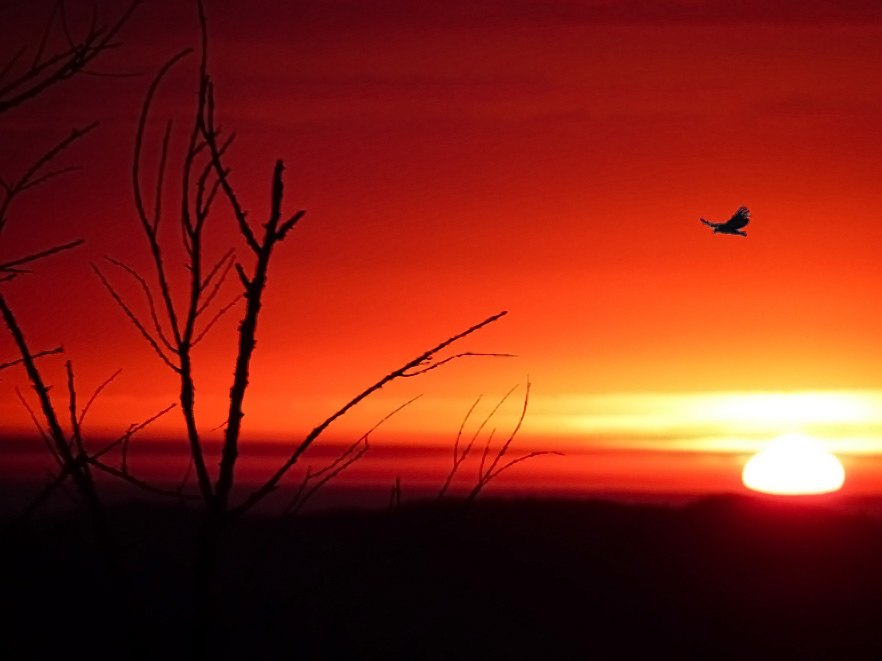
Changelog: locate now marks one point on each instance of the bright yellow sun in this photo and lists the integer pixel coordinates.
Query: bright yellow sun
(793, 464)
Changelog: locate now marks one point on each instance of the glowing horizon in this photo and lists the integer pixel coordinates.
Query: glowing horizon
(733, 421)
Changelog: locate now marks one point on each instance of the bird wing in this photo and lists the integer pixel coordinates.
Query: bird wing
(739, 220)
(707, 222)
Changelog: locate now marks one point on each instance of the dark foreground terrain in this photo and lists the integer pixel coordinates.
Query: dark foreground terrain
(726, 577)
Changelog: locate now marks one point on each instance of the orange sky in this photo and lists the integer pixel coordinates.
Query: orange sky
(456, 159)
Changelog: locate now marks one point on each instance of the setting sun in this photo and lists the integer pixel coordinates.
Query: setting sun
(794, 464)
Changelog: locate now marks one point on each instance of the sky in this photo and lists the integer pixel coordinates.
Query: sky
(456, 159)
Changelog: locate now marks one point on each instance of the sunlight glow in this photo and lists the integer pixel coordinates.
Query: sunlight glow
(790, 408)
(715, 421)
(794, 464)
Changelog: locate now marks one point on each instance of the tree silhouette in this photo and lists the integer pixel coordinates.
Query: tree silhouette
(173, 326)
(173, 329)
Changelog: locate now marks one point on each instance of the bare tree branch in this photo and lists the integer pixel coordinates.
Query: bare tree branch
(457, 457)
(203, 202)
(39, 427)
(80, 475)
(238, 211)
(141, 484)
(160, 177)
(462, 427)
(272, 484)
(134, 319)
(484, 476)
(514, 432)
(50, 175)
(11, 266)
(466, 354)
(352, 454)
(95, 394)
(520, 459)
(154, 317)
(55, 431)
(45, 72)
(74, 419)
(150, 229)
(32, 177)
(58, 480)
(131, 431)
(225, 262)
(39, 354)
(220, 313)
(458, 462)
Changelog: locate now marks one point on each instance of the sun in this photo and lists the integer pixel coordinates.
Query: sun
(793, 464)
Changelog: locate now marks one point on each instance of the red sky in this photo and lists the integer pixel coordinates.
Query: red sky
(456, 159)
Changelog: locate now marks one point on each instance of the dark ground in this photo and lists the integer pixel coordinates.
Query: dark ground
(726, 577)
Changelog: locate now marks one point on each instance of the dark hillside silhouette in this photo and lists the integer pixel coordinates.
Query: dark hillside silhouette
(725, 578)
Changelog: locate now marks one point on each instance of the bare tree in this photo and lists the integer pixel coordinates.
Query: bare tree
(23, 78)
(173, 325)
(173, 328)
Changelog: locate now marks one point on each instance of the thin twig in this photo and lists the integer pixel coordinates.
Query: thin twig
(95, 394)
(485, 476)
(39, 427)
(471, 443)
(9, 266)
(520, 459)
(150, 228)
(39, 354)
(485, 453)
(150, 302)
(514, 432)
(74, 421)
(352, 454)
(457, 457)
(238, 211)
(466, 354)
(50, 175)
(25, 181)
(131, 479)
(217, 316)
(135, 321)
(227, 263)
(133, 429)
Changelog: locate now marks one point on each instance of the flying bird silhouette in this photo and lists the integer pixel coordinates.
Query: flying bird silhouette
(733, 225)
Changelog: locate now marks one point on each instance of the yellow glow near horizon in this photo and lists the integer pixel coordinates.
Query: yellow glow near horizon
(722, 421)
(794, 464)
(789, 409)
(736, 422)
